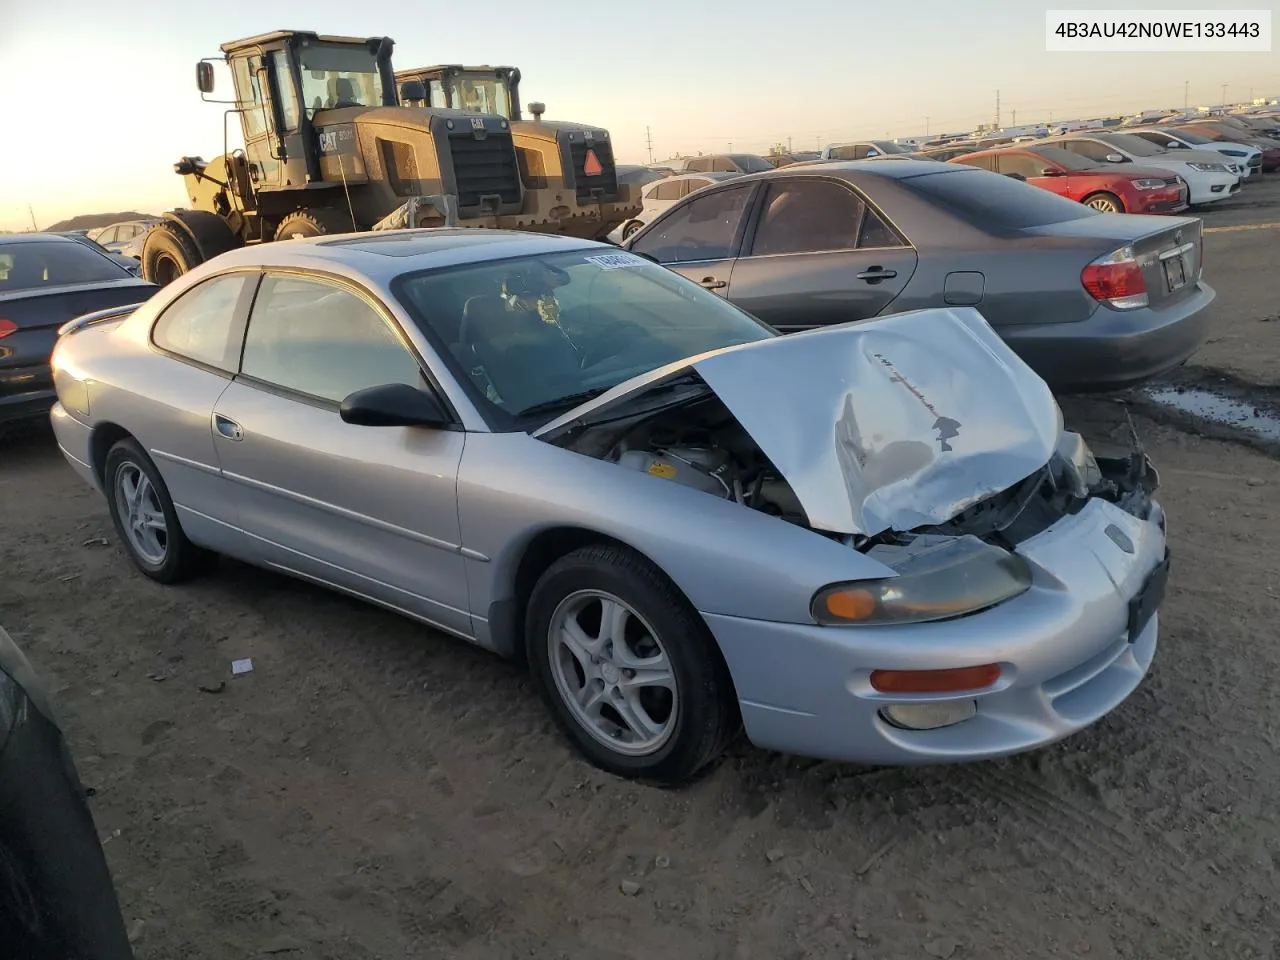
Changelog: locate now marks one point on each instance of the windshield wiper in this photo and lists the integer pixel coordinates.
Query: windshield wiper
(563, 403)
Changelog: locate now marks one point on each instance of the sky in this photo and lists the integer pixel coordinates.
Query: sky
(104, 103)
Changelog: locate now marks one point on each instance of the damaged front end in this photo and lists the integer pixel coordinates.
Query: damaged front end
(920, 440)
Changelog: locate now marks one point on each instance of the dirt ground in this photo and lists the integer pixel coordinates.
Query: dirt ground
(375, 790)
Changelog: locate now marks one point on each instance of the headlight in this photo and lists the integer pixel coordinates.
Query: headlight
(1209, 167)
(1148, 184)
(961, 575)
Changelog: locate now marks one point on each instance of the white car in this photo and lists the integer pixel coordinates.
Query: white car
(661, 194)
(1242, 158)
(1206, 172)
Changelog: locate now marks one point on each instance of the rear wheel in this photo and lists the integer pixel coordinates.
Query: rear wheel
(1105, 202)
(630, 229)
(628, 668)
(145, 518)
(167, 253)
(318, 222)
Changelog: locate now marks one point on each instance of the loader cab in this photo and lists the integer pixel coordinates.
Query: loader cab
(491, 90)
(282, 81)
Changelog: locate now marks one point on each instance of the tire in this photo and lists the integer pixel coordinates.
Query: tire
(1104, 202)
(695, 723)
(167, 253)
(317, 222)
(631, 229)
(212, 234)
(177, 558)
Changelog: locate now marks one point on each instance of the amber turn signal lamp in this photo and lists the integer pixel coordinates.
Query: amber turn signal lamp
(935, 681)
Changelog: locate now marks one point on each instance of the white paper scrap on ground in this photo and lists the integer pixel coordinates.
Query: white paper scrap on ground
(241, 666)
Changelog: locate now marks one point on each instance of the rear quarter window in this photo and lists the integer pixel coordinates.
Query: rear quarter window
(994, 202)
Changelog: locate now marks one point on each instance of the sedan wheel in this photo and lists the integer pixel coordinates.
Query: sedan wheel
(631, 229)
(627, 667)
(1104, 202)
(145, 517)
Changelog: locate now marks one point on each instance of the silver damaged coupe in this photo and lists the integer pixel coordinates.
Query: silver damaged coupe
(873, 542)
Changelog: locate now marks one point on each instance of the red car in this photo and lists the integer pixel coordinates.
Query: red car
(1111, 188)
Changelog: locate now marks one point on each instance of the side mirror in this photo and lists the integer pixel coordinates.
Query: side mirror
(204, 76)
(413, 90)
(393, 405)
(1116, 158)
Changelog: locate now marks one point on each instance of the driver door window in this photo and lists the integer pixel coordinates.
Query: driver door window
(704, 228)
(322, 341)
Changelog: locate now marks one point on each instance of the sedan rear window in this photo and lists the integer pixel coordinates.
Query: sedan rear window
(33, 264)
(991, 201)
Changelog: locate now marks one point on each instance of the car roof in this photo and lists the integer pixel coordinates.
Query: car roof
(388, 253)
(888, 168)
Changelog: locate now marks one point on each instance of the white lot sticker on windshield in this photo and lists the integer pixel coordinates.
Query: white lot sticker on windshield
(613, 261)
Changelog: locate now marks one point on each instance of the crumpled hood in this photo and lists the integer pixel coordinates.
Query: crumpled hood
(891, 423)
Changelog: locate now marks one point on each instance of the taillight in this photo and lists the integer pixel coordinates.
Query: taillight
(7, 327)
(1116, 280)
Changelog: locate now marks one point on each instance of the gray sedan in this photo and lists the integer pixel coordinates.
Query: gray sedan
(871, 543)
(1089, 300)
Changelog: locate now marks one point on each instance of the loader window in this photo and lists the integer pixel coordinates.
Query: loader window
(284, 83)
(339, 74)
(249, 97)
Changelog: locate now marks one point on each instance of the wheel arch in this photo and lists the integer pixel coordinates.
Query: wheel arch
(105, 436)
(518, 573)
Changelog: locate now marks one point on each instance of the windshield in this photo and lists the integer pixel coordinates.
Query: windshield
(1064, 158)
(33, 264)
(338, 75)
(750, 163)
(884, 146)
(1186, 136)
(530, 332)
(1135, 145)
(480, 93)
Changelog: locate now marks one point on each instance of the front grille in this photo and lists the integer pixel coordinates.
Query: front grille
(485, 168)
(1255, 161)
(603, 187)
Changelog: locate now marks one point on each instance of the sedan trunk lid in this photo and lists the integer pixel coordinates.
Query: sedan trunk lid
(892, 423)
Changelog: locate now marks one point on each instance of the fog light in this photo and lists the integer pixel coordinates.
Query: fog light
(929, 716)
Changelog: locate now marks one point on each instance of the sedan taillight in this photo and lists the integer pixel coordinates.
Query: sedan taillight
(7, 327)
(1116, 280)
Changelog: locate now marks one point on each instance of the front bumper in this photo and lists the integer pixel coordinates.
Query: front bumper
(1063, 647)
(1209, 187)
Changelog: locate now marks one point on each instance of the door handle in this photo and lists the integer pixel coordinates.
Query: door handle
(227, 427)
(876, 274)
(711, 283)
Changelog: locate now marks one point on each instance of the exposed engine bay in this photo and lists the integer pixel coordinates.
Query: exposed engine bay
(700, 444)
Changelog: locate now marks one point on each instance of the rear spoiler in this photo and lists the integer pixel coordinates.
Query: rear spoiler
(98, 316)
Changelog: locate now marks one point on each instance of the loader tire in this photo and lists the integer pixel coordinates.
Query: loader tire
(167, 253)
(317, 222)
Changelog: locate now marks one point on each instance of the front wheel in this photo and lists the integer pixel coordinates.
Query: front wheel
(1104, 202)
(631, 229)
(628, 669)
